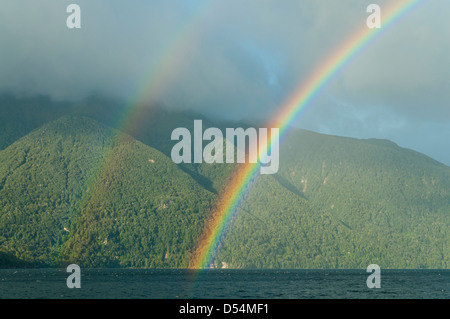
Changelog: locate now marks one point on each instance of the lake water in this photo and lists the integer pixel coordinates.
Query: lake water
(223, 284)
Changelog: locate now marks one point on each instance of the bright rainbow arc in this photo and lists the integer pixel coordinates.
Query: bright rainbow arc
(246, 173)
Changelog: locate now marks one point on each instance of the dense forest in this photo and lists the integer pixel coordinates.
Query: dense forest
(77, 187)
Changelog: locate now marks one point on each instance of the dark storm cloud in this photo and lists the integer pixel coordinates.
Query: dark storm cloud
(235, 59)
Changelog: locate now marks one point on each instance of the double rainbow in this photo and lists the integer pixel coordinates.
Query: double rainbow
(241, 181)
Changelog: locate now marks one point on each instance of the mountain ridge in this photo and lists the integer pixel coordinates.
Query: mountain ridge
(77, 190)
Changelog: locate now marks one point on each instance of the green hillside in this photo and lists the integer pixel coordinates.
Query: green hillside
(19, 116)
(76, 189)
(153, 126)
(344, 203)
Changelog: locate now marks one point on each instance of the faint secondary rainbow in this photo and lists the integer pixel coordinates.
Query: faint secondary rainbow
(242, 179)
(167, 65)
(158, 75)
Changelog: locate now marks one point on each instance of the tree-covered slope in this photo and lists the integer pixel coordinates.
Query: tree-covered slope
(20, 115)
(153, 126)
(347, 203)
(77, 191)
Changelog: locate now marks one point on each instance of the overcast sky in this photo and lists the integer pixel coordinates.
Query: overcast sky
(238, 59)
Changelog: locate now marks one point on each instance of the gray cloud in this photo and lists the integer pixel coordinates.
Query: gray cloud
(240, 59)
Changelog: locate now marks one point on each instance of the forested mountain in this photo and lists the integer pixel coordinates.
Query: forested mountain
(18, 116)
(344, 203)
(75, 190)
(78, 187)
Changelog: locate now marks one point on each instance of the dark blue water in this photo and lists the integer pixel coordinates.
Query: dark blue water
(218, 284)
